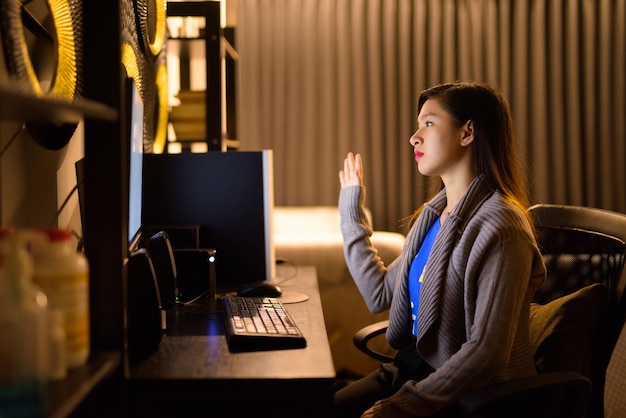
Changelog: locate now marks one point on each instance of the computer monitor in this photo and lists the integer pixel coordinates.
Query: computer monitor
(228, 196)
(134, 128)
(135, 170)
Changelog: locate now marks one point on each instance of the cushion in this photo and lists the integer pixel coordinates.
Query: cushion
(562, 332)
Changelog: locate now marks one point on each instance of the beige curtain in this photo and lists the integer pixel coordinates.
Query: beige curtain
(319, 78)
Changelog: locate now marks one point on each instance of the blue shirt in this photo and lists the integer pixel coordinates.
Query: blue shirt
(416, 272)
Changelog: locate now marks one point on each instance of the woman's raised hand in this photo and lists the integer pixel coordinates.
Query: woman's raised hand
(352, 173)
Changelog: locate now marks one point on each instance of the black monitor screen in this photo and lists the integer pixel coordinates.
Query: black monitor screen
(228, 196)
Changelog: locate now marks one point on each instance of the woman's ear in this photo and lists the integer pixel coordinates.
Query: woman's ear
(468, 133)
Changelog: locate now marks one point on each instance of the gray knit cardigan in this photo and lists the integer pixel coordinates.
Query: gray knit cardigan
(475, 299)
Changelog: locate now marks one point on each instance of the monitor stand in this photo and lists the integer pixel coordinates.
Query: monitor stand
(293, 297)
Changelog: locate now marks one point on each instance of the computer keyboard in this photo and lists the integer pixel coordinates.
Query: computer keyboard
(257, 324)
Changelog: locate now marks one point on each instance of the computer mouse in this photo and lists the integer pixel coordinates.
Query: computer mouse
(262, 288)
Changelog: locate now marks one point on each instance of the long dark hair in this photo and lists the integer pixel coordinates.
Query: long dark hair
(495, 154)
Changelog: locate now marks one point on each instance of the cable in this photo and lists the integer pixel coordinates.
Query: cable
(79, 247)
(65, 202)
(193, 307)
(190, 302)
(20, 129)
(282, 280)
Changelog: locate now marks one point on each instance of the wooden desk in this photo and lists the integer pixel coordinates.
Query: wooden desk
(194, 374)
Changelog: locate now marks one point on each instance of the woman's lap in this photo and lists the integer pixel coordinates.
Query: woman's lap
(355, 398)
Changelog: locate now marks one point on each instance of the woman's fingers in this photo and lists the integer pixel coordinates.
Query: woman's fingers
(352, 170)
(358, 166)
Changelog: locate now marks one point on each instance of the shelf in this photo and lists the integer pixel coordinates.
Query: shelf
(17, 105)
(67, 394)
(186, 38)
(230, 143)
(180, 46)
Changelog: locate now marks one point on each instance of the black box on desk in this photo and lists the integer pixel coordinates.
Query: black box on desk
(196, 272)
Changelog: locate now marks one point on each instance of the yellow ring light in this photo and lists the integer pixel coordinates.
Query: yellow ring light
(160, 134)
(143, 12)
(129, 60)
(64, 82)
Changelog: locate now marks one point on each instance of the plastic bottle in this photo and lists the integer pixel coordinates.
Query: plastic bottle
(63, 274)
(23, 332)
(58, 354)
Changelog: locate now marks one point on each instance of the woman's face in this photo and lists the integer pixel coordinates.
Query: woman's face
(439, 144)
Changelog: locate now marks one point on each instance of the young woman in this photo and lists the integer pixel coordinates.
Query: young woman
(459, 294)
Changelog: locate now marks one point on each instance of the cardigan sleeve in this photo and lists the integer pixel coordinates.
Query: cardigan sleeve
(374, 279)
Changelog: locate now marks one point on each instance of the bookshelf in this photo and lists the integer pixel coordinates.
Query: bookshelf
(199, 115)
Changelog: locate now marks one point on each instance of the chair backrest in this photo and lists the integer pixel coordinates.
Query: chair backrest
(582, 246)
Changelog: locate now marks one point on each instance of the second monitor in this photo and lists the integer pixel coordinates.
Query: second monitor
(229, 196)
